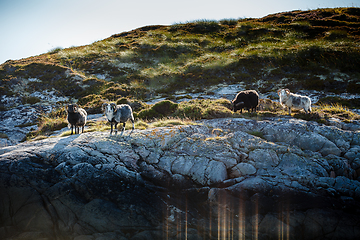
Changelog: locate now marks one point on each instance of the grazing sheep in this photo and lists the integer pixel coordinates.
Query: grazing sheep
(288, 99)
(248, 99)
(76, 117)
(118, 114)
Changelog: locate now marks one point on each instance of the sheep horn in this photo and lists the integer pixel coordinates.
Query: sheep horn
(278, 92)
(239, 103)
(103, 106)
(113, 106)
(287, 90)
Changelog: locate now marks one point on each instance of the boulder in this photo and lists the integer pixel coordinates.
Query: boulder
(258, 179)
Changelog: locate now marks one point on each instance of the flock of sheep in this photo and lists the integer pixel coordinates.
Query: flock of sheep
(116, 114)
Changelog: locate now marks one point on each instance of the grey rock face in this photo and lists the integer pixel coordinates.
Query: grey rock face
(299, 179)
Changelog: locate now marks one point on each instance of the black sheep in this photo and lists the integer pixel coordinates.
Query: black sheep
(76, 117)
(248, 99)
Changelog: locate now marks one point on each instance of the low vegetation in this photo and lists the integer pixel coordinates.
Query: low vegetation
(315, 49)
(169, 114)
(312, 50)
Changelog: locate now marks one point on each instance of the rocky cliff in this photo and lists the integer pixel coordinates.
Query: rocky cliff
(221, 179)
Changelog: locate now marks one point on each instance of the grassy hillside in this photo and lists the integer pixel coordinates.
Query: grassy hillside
(313, 50)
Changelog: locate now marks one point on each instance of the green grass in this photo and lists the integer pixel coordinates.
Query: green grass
(194, 109)
(313, 50)
(169, 114)
(46, 126)
(165, 59)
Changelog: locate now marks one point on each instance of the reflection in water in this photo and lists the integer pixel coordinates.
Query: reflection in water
(227, 218)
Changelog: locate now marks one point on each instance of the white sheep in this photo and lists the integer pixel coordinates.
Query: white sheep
(118, 114)
(288, 99)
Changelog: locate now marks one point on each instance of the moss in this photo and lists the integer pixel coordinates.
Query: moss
(30, 100)
(257, 134)
(4, 135)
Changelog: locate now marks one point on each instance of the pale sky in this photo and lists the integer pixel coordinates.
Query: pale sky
(33, 27)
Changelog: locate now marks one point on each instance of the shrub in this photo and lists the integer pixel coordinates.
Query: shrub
(335, 34)
(158, 110)
(141, 125)
(191, 111)
(46, 126)
(165, 107)
(55, 50)
(147, 114)
(92, 103)
(204, 109)
(349, 103)
(136, 105)
(30, 100)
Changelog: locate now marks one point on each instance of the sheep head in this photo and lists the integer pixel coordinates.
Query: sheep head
(239, 104)
(109, 110)
(72, 108)
(108, 107)
(283, 92)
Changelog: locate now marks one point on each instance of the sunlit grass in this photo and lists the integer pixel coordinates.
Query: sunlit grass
(168, 114)
(170, 122)
(338, 111)
(97, 48)
(102, 126)
(46, 126)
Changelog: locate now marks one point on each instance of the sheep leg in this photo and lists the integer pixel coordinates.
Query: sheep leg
(82, 130)
(71, 130)
(290, 111)
(111, 128)
(133, 126)
(307, 110)
(123, 129)
(116, 130)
